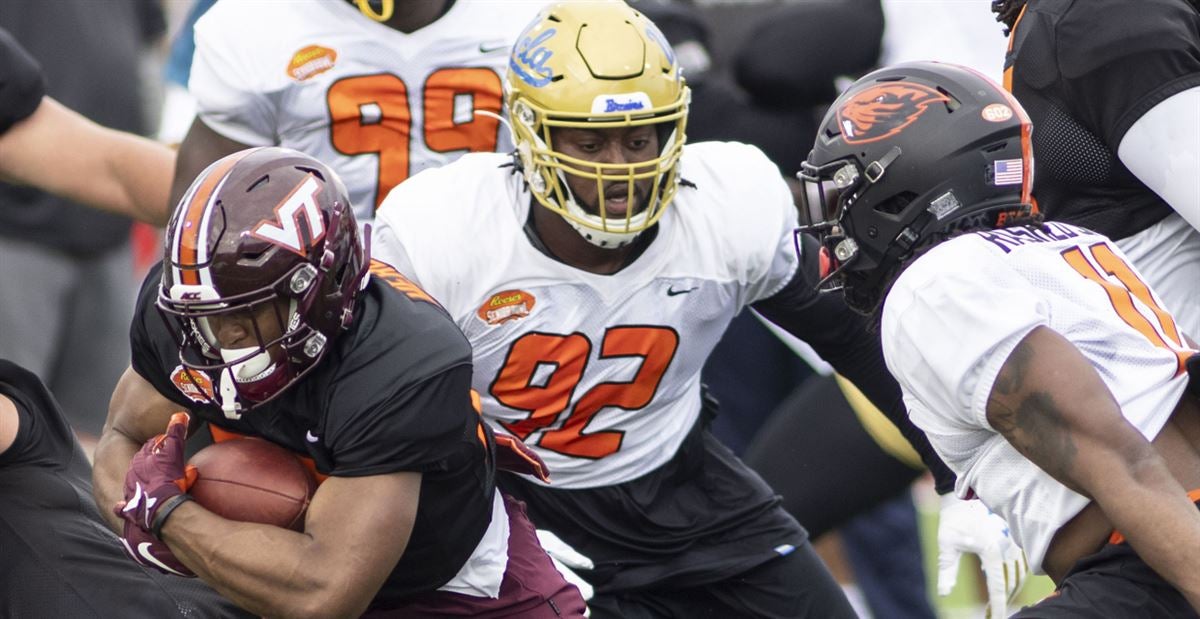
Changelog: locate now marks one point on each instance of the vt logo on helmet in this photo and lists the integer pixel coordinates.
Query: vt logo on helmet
(597, 66)
(262, 267)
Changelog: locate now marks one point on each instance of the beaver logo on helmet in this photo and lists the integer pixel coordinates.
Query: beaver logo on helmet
(884, 110)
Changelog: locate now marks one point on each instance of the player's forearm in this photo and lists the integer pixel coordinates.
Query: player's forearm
(58, 150)
(141, 171)
(112, 456)
(267, 570)
(1149, 507)
(1052, 406)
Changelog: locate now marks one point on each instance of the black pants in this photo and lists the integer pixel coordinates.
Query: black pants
(814, 451)
(1114, 582)
(700, 536)
(795, 585)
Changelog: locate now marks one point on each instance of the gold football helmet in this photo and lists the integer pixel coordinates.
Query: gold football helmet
(596, 65)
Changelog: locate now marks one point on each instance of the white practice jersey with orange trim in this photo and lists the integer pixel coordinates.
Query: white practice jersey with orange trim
(954, 317)
(374, 103)
(598, 373)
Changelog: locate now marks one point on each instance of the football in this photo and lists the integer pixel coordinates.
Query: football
(253, 480)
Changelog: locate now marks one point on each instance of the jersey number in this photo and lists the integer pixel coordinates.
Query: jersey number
(1122, 293)
(369, 114)
(543, 370)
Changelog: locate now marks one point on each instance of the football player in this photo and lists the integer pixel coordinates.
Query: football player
(105, 168)
(1043, 368)
(59, 561)
(1113, 88)
(265, 318)
(592, 272)
(377, 89)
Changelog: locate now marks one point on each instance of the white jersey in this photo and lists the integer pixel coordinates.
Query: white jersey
(954, 317)
(600, 374)
(376, 104)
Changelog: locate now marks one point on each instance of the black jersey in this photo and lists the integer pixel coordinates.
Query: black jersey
(1086, 70)
(392, 394)
(57, 558)
(21, 84)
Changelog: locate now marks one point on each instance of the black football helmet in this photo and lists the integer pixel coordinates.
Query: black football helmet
(267, 235)
(907, 156)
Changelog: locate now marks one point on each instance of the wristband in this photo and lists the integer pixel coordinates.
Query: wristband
(168, 506)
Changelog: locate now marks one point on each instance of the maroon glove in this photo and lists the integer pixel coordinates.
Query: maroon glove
(157, 480)
(151, 552)
(514, 456)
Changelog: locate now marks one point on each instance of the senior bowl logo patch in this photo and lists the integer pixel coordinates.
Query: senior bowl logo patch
(310, 61)
(505, 306)
(194, 384)
(885, 109)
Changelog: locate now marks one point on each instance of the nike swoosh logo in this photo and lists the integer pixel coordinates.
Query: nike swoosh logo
(671, 292)
(310, 437)
(144, 552)
(485, 48)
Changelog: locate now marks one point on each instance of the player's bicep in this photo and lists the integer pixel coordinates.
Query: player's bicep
(137, 411)
(1052, 406)
(363, 524)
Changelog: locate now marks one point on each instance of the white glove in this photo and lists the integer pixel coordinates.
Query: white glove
(566, 559)
(969, 526)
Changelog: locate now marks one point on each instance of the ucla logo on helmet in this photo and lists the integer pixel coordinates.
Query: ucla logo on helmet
(529, 58)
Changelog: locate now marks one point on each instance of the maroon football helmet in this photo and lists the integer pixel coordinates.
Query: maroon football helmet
(264, 238)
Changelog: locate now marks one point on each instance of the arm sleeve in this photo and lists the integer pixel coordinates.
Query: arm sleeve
(228, 98)
(419, 428)
(21, 85)
(842, 338)
(1162, 148)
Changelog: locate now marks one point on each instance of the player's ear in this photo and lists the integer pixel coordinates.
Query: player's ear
(10, 422)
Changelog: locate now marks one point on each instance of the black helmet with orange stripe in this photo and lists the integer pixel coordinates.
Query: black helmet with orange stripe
(908, 156)
(263, 263)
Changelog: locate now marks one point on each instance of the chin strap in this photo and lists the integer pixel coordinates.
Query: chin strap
(229, 403)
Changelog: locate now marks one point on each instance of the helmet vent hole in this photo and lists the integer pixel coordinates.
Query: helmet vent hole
(999, 146)
(953, 103)
(315, 172)
(895, 204)
(265, 178)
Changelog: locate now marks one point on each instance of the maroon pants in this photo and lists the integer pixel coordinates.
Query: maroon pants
(532, 588)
